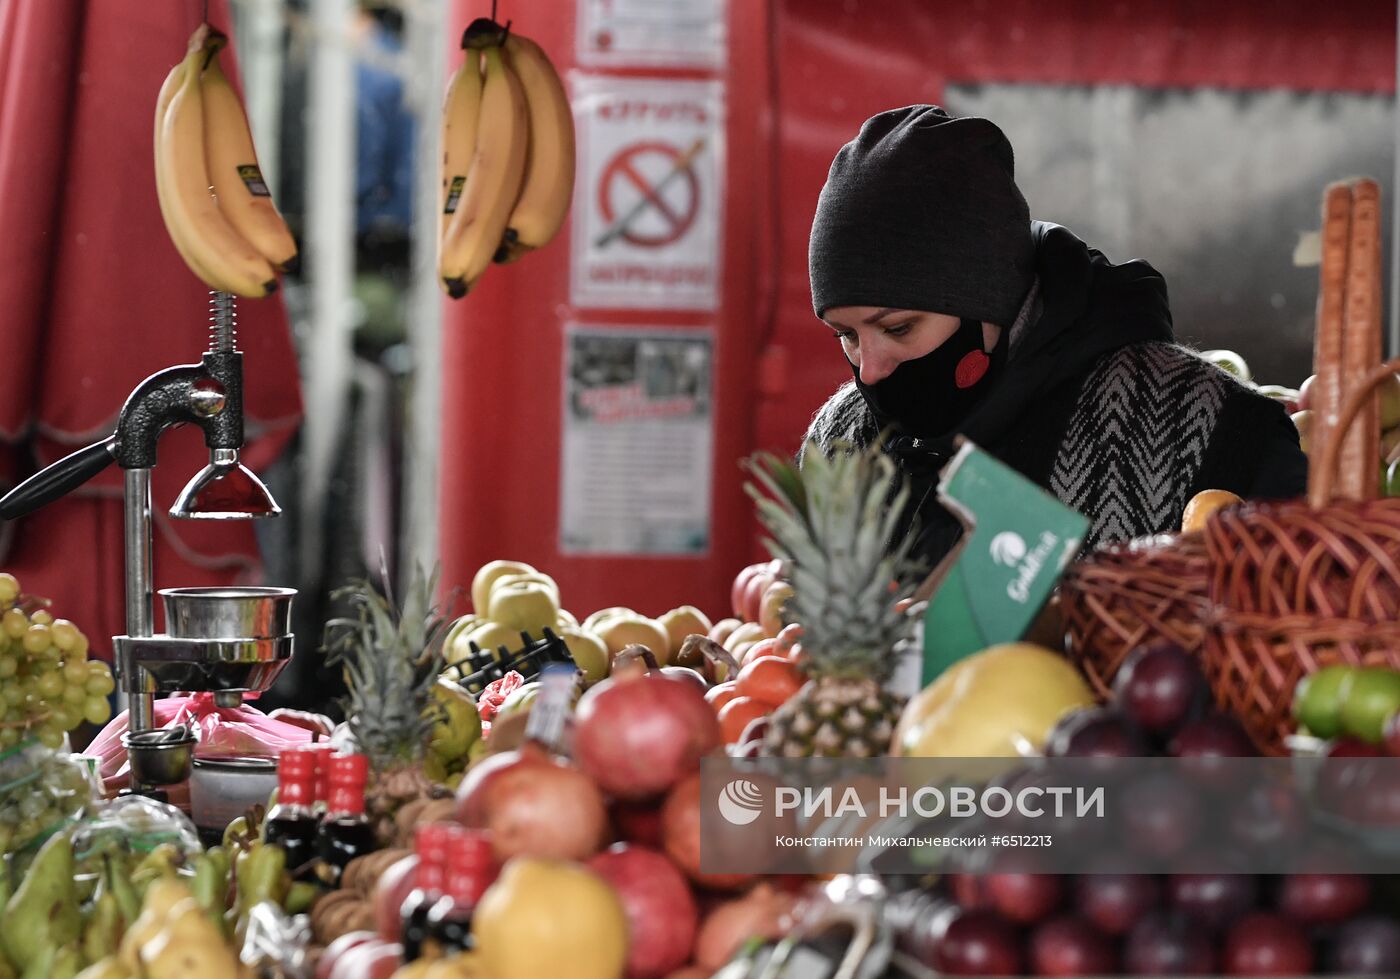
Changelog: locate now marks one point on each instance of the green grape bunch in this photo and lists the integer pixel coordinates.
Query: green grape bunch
(48, 686)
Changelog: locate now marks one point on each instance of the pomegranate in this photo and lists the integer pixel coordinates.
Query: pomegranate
(680, 830)
(639, 738)
(390, 891)
(338, 948)
(372, 960)
(661, 914)
(534, 805)
(638, 822)
(761, 913)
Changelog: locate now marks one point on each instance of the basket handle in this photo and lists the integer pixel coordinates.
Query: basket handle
(1332, 447)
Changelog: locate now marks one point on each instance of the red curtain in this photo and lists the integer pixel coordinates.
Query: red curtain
(93, 298)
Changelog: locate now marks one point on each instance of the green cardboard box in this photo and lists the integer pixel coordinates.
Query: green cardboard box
(1018, 540)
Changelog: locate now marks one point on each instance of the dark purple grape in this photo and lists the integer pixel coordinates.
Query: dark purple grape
(1160, 817)
(1070, 946)
(1160, 686)
(1262, 944)
(1323, 899)
(1113, 903)
(1368, 946)
(1024, 898)
(1214, 900)
(1164, 944)
(1266, 817)
(1207, 739)
(979, 943)
(1096, 732)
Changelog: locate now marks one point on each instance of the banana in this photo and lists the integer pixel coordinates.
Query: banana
(493, 180)
(242, 196)
(461, 113)
(213, 249)
(548, 188)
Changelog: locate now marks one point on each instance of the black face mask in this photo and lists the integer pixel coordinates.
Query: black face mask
(930, 396)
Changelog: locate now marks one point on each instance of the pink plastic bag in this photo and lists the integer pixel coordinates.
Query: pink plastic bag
(223, 732)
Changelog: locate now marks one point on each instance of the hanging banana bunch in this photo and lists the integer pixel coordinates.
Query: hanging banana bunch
(508, 155)
(216, 206)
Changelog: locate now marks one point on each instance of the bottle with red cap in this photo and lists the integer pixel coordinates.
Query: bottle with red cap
(323, 752)
(431, 842)
(345, 833)
(292, 823)
(471, 867)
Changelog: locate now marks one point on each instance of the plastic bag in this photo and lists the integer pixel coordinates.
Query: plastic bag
(136, 824)
(276, 943)
(223, 732)
(41, 791)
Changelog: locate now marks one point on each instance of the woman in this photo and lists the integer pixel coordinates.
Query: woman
(960, 315)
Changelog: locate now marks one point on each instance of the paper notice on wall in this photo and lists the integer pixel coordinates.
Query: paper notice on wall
(638, 441)
(648, 209)
(675, 33)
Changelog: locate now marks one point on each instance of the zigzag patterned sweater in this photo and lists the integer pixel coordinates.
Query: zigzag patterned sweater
(1100, 406)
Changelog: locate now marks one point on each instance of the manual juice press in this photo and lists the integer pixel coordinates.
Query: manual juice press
(228, 641)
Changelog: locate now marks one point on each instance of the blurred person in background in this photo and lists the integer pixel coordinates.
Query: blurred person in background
(958, 314)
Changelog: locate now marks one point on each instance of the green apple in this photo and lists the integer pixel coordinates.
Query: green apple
(525, 606)
(1228, 360)
(486, 575)
(590, 653)
(535, 576)
(1368, 697)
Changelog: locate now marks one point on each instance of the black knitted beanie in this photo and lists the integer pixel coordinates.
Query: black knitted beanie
(921, 211)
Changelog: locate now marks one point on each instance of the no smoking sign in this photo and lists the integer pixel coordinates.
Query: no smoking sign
(647, 215)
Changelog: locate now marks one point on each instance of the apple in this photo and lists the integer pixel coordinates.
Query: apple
(740, 588)
(1303, 420)
(336, 949)
(757, 585)
(525, 606)
(788, 637)
(770, 609)
(535, 576)
(1305, 392)
(603, 614)
(486, 575)
(687, 620)
(749, 632)
(590, 653)
(1230, 362)
(567, 619)
(619, 633)
(638, 821)
(722, 629)
(372, 960)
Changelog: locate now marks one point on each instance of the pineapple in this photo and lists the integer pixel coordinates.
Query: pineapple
(830, 523)
(392, 657)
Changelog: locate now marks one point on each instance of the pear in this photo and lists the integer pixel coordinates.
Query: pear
(162, 897)
(189, 945)
(66, 964)
(105, 968)
(104, 927)
(43, 912)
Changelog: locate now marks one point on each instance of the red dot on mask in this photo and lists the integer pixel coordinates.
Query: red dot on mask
(971, 369)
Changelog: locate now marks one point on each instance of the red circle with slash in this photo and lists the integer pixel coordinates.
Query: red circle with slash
(623, 170)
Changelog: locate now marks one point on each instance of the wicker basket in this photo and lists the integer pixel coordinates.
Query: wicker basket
(1127, 594)
(1294, 588)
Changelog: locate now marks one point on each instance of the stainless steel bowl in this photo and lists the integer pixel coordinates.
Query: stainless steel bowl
(157, 758)
(221, 789)
(228, 613)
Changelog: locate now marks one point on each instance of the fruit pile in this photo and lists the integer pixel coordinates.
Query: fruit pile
(47, 683)
(1181, 924)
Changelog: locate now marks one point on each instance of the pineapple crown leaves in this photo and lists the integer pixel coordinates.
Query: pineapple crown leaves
(832, 523)
(392, 657)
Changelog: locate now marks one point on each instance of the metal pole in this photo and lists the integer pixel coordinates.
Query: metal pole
(426, 30)
(330, 206)
(137, 514)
